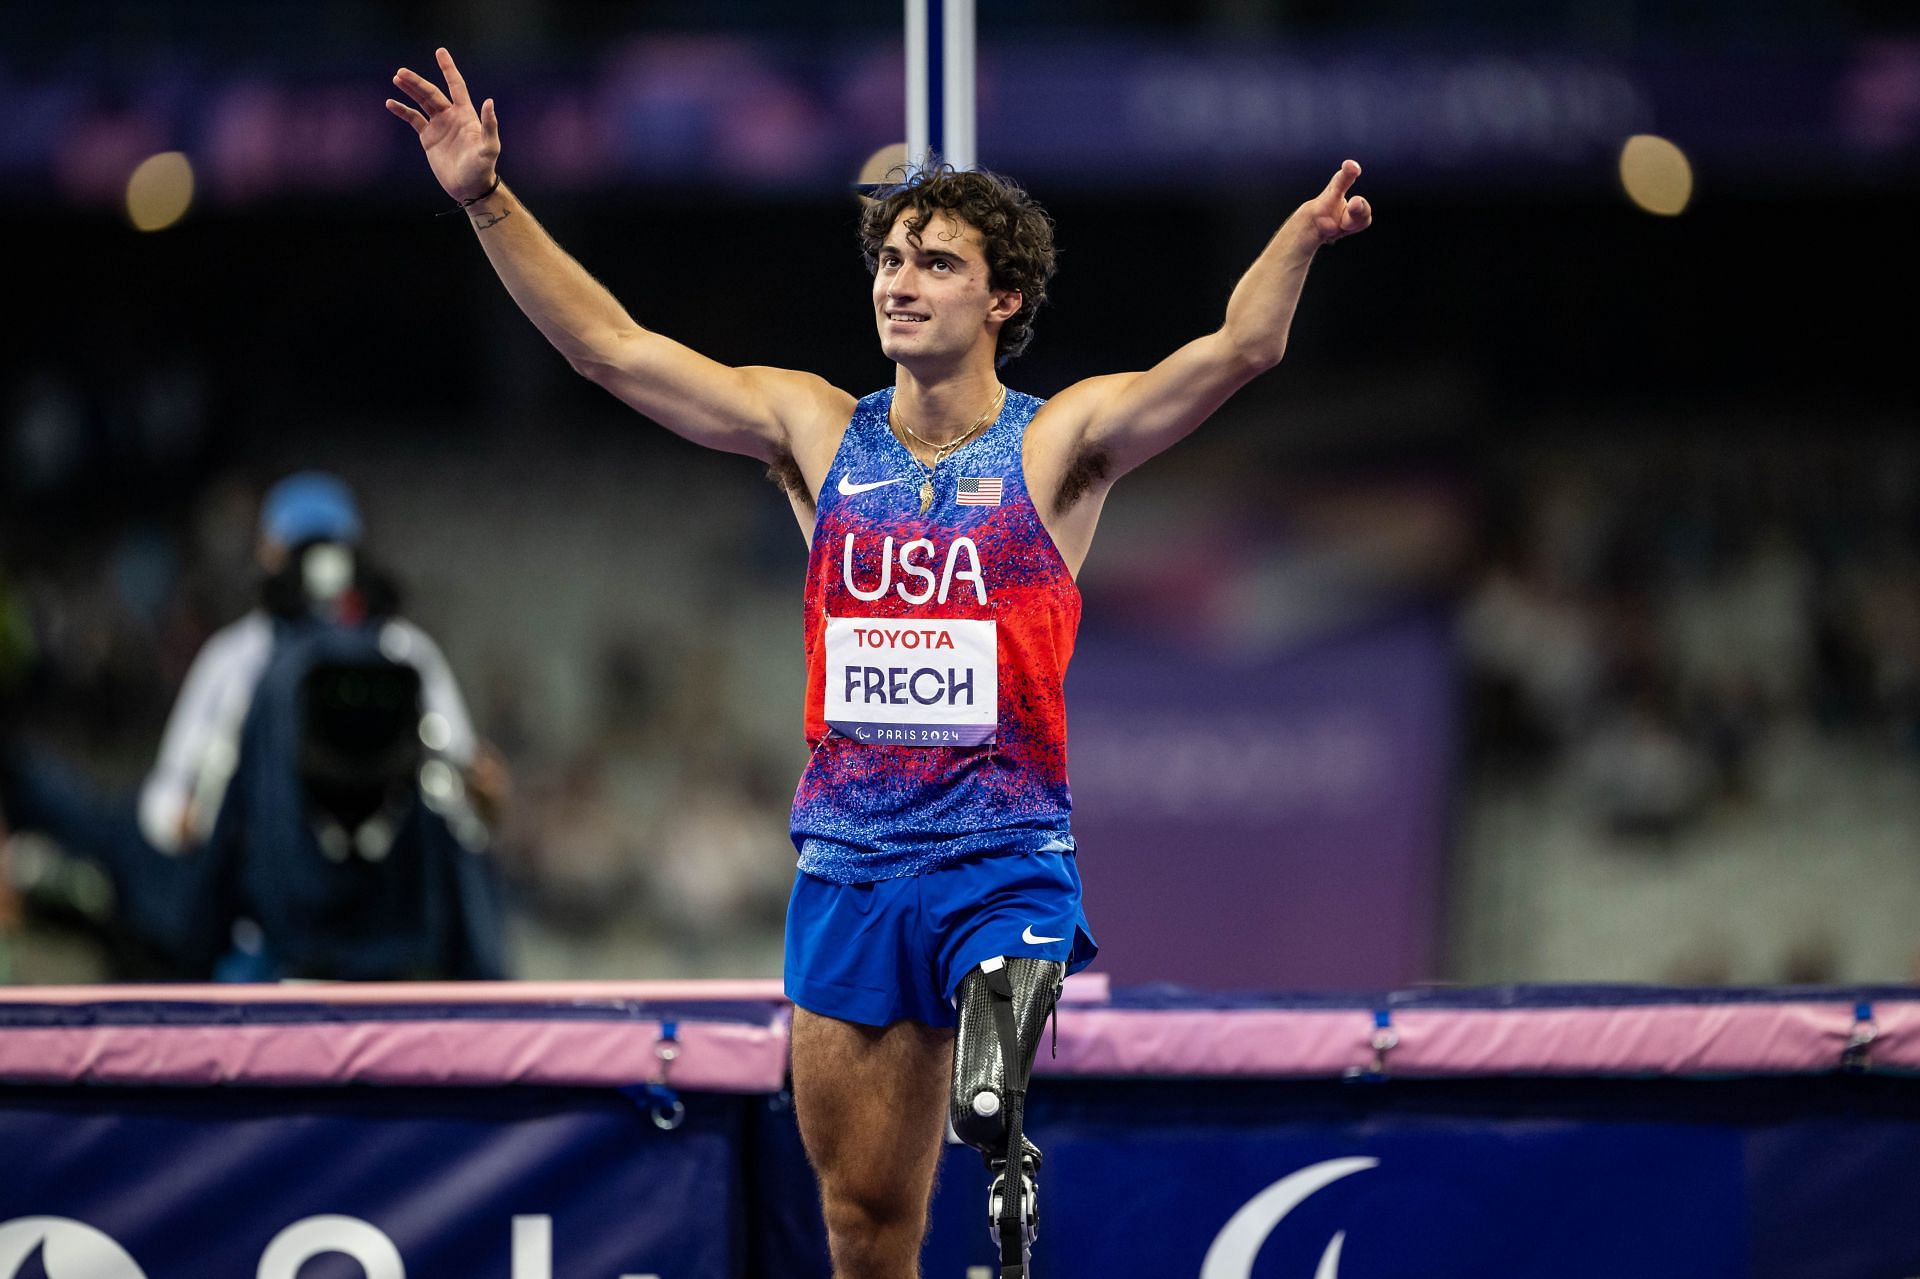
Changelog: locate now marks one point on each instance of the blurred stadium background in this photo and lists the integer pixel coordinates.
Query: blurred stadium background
(1551, 614)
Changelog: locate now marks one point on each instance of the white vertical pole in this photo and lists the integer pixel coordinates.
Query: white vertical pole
(958, 147)
(533, 1246)
(919, 82)
(941, 103)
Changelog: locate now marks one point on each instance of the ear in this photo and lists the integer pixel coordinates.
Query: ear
(1006, 303)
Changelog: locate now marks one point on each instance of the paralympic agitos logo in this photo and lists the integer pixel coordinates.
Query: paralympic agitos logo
(1239, 1241)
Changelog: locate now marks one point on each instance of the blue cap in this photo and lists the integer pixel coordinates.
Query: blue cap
(310, 505)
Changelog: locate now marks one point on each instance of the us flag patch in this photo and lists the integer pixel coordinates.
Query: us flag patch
(978, 492)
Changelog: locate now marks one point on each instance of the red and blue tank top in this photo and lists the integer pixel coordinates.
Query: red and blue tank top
(937, 647)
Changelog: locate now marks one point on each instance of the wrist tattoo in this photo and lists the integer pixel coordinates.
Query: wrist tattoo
(492, 219)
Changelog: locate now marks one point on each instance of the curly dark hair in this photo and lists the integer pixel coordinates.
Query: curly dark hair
(1018, 235)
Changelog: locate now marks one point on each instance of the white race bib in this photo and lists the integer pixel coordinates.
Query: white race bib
(907, 682)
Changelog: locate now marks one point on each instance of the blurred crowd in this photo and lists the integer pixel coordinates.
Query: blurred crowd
(1654, 611)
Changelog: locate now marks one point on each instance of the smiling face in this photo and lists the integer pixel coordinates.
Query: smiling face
(933, 300)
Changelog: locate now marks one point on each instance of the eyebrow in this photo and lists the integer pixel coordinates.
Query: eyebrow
(894, 248)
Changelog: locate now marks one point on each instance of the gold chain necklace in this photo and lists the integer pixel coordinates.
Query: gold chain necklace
(941, 451)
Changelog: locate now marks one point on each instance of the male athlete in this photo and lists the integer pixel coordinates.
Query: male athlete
(947, 518)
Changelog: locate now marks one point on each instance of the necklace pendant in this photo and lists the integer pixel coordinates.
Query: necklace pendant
(926, 495)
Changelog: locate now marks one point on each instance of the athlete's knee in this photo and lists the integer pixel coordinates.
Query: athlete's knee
(872, 1217)
(874, 1202)
(1014, 995)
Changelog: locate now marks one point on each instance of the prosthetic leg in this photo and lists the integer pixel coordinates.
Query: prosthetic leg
(1004, 1006)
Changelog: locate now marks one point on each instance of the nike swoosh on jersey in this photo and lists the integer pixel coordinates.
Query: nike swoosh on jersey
(848, 488)
(1031, 940)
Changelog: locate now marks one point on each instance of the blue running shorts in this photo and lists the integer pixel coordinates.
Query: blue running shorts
(897, 949)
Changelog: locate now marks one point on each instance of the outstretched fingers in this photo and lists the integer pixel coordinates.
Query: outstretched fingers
(424, 92)
(1342, 181)
(456, 83)
(461, 143)
(407, 113)
(1335, 214)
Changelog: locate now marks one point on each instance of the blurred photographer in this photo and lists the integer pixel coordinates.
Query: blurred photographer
(321, 805)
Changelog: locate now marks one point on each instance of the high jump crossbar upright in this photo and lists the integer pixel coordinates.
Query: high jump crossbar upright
(940, 83)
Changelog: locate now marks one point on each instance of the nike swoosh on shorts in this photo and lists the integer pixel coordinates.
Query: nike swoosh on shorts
(848, 488)
(1032, 940)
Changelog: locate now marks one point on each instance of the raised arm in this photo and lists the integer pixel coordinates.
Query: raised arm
(757, 411)
(1115, 423)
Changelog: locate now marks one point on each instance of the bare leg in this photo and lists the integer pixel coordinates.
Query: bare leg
(872, 1106)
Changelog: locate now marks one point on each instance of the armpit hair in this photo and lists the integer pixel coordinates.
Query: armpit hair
(785, 472)
(1087, 470)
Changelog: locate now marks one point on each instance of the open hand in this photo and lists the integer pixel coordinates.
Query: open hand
(1332, 215)
(461, 144)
